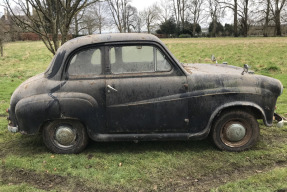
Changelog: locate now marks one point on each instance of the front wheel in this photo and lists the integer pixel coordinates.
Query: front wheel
(65, 136)
(235, 131)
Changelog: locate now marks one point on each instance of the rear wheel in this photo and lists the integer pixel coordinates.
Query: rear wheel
(65, 136)
(235, 131)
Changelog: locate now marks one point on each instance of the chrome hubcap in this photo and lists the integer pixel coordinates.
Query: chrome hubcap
(235, 132)
(65, 135)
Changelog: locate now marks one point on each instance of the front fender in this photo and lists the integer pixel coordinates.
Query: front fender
(32, 112)
(267, 121)
(204, 133)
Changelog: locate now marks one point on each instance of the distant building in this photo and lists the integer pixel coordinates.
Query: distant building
(204, 32)
(9, 28)
(257, 30)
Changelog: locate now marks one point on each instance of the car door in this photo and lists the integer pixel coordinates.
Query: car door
(86, 78)
(144, 91)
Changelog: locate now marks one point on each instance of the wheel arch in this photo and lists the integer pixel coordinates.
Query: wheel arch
(34, 112)
(48, 121)
(252, 108)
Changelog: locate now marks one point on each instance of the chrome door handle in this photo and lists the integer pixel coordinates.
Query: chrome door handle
(111, 88)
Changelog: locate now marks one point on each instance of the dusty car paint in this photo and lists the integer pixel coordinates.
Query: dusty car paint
(177, 104)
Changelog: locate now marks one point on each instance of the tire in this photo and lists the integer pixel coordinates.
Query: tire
(65, 136)
(235, 131)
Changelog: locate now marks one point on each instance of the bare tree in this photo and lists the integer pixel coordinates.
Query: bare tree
(239, 8)
(101, 10)
(196, 9)
(271, 10)
(265, 17)
(49, 19)
(2, 37)
(214, 11)
(165, 8)
(75, 23)
(116, 8)
(8, 30)
(276, 7)
(232, 5)
(124, 15)
(92, 18)
(87, 23)
(75, 27)
(151, 16)
(244, 14)
(130, 19)
(139, 23)
(179, 8)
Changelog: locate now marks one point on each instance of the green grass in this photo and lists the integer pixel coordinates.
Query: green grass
(273, 180)
(148, 166)
(18, 188)
(264, 55)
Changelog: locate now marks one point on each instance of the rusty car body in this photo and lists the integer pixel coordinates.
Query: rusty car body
(119, 87)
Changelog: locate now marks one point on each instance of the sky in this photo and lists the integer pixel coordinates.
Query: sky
(139, 4)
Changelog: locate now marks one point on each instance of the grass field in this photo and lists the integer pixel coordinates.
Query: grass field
(26, 165)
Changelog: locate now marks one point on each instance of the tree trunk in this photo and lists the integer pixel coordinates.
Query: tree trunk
(148, 27)
(76, 25)
(245, 19)
(265, 28)
(1, 48)
(214, 27)
(193, 29)
(235, 21)
(182, 14)
(278, 23)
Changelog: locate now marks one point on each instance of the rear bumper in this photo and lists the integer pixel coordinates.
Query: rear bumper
(13, 129)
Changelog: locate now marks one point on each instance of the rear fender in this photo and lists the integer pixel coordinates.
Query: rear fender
(32, 112)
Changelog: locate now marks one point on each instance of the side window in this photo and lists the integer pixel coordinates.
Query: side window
(137, 59)
(86, 62)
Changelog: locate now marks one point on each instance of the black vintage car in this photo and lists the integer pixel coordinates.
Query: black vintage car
(118, 87)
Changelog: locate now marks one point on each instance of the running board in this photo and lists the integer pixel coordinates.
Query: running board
(148, 137)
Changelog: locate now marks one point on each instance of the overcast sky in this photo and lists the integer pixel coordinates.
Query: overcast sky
(139, 4)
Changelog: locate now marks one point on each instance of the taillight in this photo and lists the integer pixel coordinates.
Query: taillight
(7, 111)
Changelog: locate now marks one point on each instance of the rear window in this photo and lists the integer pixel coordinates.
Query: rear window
(86, 62)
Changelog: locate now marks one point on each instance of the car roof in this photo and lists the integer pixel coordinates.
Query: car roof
(106, 38)
(67, 48)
